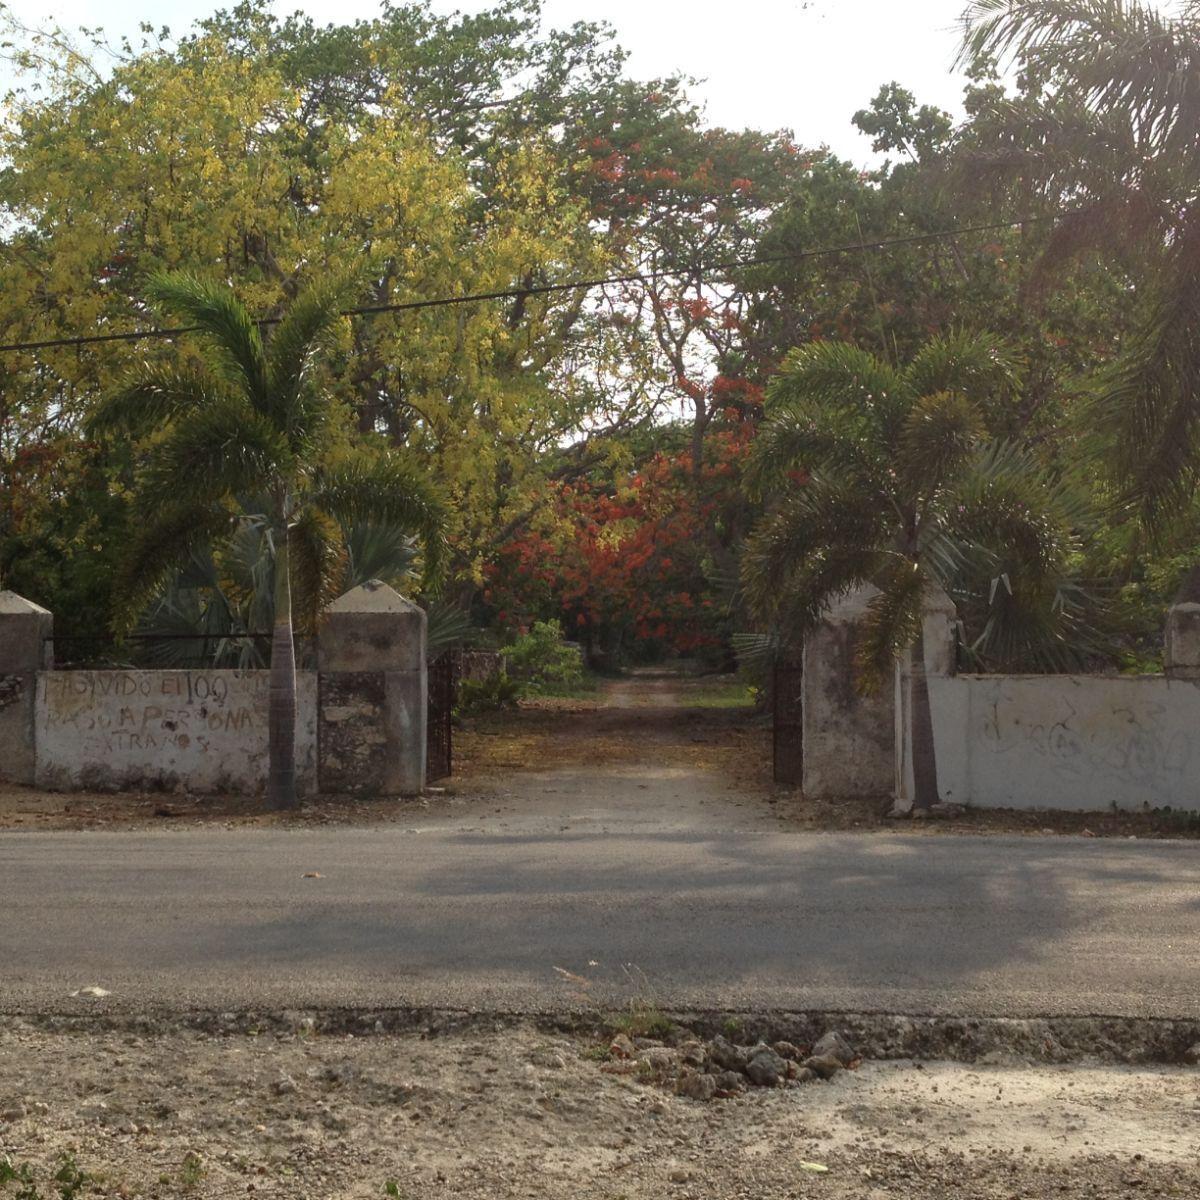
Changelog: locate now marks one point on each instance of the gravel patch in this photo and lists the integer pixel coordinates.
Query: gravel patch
(513, 1110)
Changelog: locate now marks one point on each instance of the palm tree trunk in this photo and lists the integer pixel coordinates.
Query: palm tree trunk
(281, 711)
(924, 753)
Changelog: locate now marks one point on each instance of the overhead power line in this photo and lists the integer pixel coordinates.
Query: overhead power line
(703, 269)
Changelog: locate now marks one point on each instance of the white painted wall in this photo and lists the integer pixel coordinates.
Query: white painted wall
(1080, 742)
(206, 730)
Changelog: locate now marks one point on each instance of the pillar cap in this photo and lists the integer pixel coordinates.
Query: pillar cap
(936, 601)
(374, 596)
(14, 605)
(851, 605)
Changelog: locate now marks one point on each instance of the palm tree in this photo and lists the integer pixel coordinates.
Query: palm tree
(226, 592)
(886, 476)
(1115, 135)
(255, 420)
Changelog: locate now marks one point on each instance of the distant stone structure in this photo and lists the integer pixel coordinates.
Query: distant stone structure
(480, 666)
(360, 716)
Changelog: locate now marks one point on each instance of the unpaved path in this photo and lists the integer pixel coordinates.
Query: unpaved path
(644, 756)
(518, 1114)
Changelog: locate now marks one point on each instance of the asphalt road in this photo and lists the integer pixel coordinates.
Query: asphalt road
(538, 921)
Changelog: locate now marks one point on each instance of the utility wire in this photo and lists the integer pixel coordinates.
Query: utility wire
(550, 288)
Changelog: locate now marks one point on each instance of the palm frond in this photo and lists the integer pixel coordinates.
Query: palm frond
(755, 651)
(245, 565)
(223, 450)
(790, 446)
(448, 626)
(295, 347)
(216, 312)
(818, 544)
(976, 365)
(1126, 220)
(1016, 591)
(374, 551)
(1147, 405)
(189, 626)
(838, 378)
(1118, 54)
(318, 561)
(150, 400)
(387, 490)
(163, 543)
(892, 622)
(938, 438)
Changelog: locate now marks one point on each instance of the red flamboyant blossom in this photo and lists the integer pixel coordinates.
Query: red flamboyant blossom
(627, 560)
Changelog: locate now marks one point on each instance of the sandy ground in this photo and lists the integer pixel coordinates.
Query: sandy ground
(647, 751)
(518, 1113)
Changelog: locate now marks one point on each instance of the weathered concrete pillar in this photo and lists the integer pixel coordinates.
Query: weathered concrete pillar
(371, 694)
(848, 746)
(939, 629)
(24, 626)
(1181, 650)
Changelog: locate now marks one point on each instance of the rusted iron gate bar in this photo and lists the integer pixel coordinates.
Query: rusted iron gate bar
(443, 689)
(787, 696)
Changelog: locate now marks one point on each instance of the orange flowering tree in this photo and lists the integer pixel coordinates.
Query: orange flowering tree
(630, 560)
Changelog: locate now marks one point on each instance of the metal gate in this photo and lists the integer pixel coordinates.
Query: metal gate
(788, 704)
(443, 687)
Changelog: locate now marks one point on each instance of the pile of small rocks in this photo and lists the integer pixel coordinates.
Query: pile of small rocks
(719, 1068)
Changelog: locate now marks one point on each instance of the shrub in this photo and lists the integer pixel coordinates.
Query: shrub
(542, 657)
(486, 695)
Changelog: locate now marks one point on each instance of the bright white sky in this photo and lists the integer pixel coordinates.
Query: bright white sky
(804, 65)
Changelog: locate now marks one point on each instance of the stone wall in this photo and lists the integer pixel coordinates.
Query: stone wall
(1080, 742)
(24, 650)
(373, 703)
(360, 725)
(480, 666)
(1065, 742)
(203, 731)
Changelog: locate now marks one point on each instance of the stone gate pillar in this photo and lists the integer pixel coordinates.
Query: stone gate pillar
(1181, 657)
(849, 747)
(24, 626)
(371, 694)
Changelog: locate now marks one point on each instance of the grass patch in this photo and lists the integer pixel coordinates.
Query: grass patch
(67, 1182)
(721, 693)
(191, 1171)
(642, 1021)
(576, 689)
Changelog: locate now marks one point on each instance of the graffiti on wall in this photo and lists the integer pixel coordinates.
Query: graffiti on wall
(1093, 741)
(149, 710)
(206, 730)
